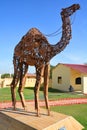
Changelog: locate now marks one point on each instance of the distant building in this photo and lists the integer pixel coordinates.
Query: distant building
(5, 82)
(30, 81)
(65, 76)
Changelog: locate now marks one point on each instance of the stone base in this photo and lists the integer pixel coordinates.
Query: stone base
(21, 120)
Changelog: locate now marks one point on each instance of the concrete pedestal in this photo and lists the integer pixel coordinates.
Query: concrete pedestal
(21, 120)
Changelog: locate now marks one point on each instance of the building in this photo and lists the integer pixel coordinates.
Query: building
(30, 81)
(66, 75)
(5, 82)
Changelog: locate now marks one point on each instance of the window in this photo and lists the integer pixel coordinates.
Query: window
(59, 80)
(78, 80)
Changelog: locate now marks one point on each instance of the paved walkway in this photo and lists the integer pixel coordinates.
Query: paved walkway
(51, 103)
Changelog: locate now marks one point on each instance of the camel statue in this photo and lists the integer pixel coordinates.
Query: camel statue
(35, 50)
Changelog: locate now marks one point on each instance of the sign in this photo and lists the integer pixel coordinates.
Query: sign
(62, 128)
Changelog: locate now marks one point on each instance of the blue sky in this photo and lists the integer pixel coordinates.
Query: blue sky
(18, 16)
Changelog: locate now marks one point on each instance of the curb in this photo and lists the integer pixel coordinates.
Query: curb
(60, 102)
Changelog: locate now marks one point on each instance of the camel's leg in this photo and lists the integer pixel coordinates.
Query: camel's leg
(46, 82)
(23, 72)
(37, 87)
(13, 87)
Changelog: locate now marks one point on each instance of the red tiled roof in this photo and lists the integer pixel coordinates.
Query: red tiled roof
(78, 67)
(31, 75)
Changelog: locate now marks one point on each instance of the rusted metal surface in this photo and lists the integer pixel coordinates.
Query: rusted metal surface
(35, 50)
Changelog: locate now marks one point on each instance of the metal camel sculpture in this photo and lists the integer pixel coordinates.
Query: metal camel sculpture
(35, 50)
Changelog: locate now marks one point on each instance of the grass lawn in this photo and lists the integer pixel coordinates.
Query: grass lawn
(79, 112)
(5, 94)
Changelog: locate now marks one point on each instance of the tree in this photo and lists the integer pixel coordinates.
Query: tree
(6, 75)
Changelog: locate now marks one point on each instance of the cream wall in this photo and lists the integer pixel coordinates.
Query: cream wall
(30, 82)
(75, 74)
(64, 72)
(5, 82)
(85, 84)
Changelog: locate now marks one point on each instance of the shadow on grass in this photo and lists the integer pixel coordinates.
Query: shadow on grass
(31, 88)
(49, 89)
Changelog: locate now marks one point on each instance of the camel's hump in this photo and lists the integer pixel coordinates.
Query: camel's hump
(34, 31)
(33, 35)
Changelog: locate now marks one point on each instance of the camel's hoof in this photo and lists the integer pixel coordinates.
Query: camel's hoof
(14, 108)
(49, 113)
(25, 108)
(38, 115)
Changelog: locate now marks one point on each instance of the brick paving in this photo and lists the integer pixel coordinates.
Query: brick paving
(51, 103)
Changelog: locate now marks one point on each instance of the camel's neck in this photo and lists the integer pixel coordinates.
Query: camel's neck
(66, 36)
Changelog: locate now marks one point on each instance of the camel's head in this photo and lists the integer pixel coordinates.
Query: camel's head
(70, 10)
